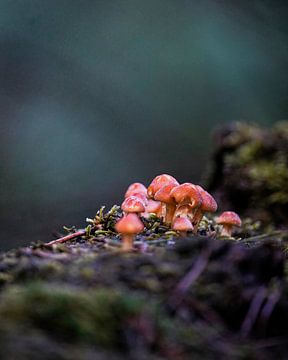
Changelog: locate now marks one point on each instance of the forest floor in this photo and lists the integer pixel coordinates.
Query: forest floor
(201, 296)
(170, 298)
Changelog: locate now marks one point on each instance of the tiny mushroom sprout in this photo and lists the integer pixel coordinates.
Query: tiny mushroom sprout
(182, 225)
(164, 195)
(228, 219)
(136, 188)
(209, 204)
(186, 194)
(133, 204)
(129, 226)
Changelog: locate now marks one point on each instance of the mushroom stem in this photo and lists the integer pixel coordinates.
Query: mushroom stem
(163, 211)
(127, 242)
(182, 233)
(226, 230)
(196, 218)
(170, 211)
(183, 210)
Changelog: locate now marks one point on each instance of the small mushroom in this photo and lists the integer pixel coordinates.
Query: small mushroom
(140, 196)
(209, 204)
(158, 182)
(152, 207)
(133, 204)
(135, 188)
(182, 225)
(228, 219)
(129, 226)
(186, 194)
(169, 205)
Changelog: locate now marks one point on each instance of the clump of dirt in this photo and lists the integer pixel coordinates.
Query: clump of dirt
(249, 171)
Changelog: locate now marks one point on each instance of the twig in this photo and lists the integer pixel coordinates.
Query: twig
(253, 311)
(67, 237)
(268, 308)
(263, 236)
(270, 342)
(192, 275)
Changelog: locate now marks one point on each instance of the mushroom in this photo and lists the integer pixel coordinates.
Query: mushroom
(140, 196)
(135, 188)
(209, 204)
(186, 194)
(182, 225)
(129, 226)
(164, 195)
(133, 204)
(153, 207)
(158, 182)
(228, 219)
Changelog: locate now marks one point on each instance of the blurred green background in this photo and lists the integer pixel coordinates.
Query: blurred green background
(95, 95)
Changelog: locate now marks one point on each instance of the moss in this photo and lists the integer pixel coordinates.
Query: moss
(5, 278)
(250, 171)
(124, 302)
(95, 316)
(244, 154)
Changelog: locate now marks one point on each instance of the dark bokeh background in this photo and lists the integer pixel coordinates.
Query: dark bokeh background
(97, 94)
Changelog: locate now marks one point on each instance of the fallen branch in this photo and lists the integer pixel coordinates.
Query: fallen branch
(67, 237)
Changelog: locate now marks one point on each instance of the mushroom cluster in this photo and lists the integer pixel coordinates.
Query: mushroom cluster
(180, 206)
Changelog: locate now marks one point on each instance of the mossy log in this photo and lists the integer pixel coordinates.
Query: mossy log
(199, 297)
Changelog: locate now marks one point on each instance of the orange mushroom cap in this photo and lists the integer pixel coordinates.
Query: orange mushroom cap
(209, 204)
(140, 196)
(129, 224)
(133, 204)
(229, 218)
(135, 188)
(153, 206)
(164, 194)
(158, 182)
(182, 224)
(187, 193)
